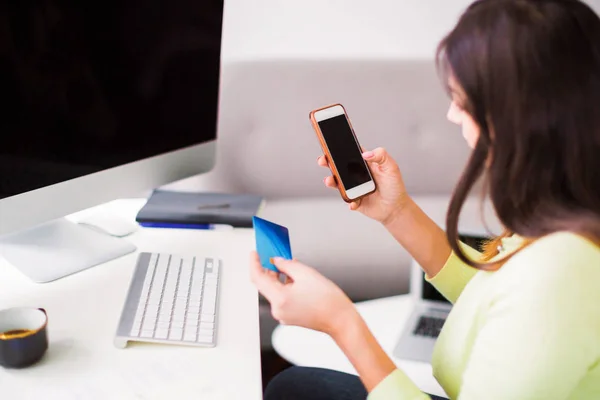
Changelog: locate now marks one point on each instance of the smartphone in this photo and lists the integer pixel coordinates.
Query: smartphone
(343, 153)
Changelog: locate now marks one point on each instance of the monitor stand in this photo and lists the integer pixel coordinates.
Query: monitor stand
(60, 248)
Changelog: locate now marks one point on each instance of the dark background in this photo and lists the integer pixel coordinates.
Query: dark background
(89, 85)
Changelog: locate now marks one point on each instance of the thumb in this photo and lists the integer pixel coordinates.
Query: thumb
(380, 157)
(289, 267)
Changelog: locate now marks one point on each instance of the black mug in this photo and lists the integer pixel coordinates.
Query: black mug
(23, 336)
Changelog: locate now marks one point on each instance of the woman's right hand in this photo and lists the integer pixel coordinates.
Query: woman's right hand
(390, 197)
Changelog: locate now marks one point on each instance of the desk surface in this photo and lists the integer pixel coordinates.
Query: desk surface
(385, 317)
(84, 310)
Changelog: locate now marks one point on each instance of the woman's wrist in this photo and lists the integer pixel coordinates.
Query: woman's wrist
(405, 206)
(345, 322)
(418, 234)
(361, 348)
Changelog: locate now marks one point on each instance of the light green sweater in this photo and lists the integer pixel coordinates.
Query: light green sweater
(530, 330)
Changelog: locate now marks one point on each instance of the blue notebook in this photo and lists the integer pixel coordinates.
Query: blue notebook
(272, 240)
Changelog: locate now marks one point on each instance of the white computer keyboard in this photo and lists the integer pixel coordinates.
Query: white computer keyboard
(171, 299)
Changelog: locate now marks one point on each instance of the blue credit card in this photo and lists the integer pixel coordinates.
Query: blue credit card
(272, 240)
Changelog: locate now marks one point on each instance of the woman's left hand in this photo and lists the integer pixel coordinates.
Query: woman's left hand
(307, 299)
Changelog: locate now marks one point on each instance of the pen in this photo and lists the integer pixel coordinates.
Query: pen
(185, 226)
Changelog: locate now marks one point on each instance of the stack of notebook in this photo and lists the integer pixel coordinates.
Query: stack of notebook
(170, 209)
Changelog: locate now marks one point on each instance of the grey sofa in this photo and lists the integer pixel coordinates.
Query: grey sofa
(266, 144)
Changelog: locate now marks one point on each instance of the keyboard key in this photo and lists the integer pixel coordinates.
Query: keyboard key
(161, 334)
(211, 282)
(205, 332)
(190, 335)
(175, 264)
(212, 275)
(195, 295)
(192, 324)
(177, 324)
(178, 318)
(176, 333)
(207, 318)
(186, 266)
(182, 296)
(197, 286)
(154, 298)
(210, 291)
(215, 270)
(152, 309)
(429, 326)
(147, 333)
(186, 272)
(204, 339)
(147, 327)
(150, 319)
(139, 314)
(153, 259)
(209, 305)
(184, 287)
(198, 266)
(168, 295)
(163, 325)
(207, 325)
(135, 331)
(166, 308)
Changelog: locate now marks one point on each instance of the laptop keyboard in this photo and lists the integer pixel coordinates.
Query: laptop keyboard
(429, 326)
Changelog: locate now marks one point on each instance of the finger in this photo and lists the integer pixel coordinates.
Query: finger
(355, 205)
(322, 161)
(330, 182)
(266, 283)
(289, 267)
(272, 273)
(378, 156)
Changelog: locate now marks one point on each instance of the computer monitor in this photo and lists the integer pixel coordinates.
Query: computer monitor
(100, 100)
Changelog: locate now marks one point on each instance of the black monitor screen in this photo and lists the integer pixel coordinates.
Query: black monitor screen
(90, 85)
(429, 291)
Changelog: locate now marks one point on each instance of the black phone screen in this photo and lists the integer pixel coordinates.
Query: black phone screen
(345, 152)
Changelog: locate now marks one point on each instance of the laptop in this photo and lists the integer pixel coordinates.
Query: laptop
(429, 313)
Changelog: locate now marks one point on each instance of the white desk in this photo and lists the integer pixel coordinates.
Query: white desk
(385, 317)
(84, 309)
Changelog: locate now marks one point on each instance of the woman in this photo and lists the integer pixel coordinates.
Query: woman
(524, 78)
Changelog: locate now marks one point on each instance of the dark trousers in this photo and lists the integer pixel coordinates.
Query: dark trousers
(303, 383)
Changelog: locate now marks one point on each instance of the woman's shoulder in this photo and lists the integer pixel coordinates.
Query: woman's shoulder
(562, 259)
(562, 246)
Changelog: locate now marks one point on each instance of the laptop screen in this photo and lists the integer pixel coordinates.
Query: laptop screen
(429, 292)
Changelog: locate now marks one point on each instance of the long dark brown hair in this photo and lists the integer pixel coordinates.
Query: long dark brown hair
(530, 70)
